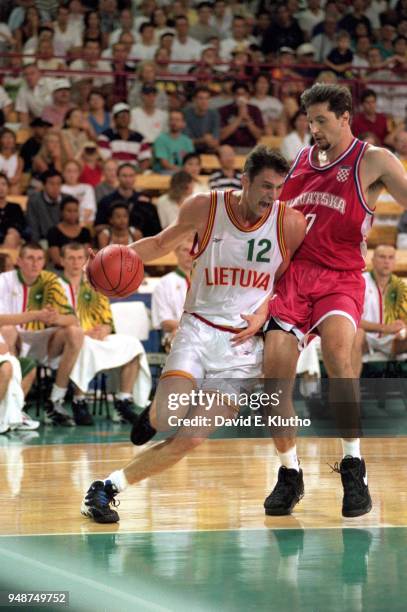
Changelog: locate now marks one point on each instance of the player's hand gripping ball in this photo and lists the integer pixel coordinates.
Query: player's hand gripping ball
(115, 271)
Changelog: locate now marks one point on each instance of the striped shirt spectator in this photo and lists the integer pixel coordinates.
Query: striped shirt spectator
(123, 144)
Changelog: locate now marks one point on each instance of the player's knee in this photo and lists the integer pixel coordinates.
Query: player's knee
(74, 335)
(6, 371)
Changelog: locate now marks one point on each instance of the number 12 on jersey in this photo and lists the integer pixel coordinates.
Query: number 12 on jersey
(310, 217)
(263, 247)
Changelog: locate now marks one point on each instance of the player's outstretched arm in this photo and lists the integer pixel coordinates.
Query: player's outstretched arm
(193, 215)
(380, 165)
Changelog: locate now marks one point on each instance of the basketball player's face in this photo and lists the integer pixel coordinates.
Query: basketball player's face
(263, 190)
(326, 128)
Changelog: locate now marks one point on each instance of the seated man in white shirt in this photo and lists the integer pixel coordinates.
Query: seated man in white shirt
(169, 296)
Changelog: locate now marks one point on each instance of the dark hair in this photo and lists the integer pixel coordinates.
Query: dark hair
(34, 246)
(92, 40)
(200, 89)
(125, 165)
(66, 201)
(68, 115)
(5, 177)
(202, 5)
(262, 157)
(144, 25)
(50, 173)
(368, 93)
(115, 206)
(96, 92)
(189, 156)
(240, 85)
(178, 184)
(75, 246)
(338, 98)
(8, 131)
(86, 18)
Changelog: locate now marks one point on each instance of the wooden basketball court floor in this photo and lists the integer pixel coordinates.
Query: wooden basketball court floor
(196, 537)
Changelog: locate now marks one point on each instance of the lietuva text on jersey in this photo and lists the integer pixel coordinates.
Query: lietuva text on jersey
(237, 277)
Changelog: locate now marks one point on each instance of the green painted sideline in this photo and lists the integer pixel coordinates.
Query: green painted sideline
(331, 570)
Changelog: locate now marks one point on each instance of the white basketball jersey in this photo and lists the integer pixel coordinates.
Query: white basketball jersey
(234, 268)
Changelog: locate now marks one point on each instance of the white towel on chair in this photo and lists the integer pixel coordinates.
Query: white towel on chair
(110, 354)
(12, 403)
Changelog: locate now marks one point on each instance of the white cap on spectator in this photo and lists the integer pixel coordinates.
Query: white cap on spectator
(29, 61)
(119, 108)
(61, 84)
(286, 50)
(306, 49)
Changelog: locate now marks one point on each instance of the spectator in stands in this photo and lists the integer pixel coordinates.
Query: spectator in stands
(146, 75)
(75, 133)
(160, 23)
(11, 163)
(310, 17)
(171, 147)
(126, 23)
(306, 57)
(98, 117)
(122, 143)
(90, 63)
(386, 37)
(143, 214)
(118, 230)
(271, 108)
(350, 22)
(169, 294)
(33, 95)
(32, 145)
(202, 122)
(239, 41)
(13, 225)
(192, 164)
(56, 112)
(43, 208)
(91, 165)
(283, 32)
(227, 177)
(146, 46)
(369, 120)
(202, 30)
(184, 47)
(102, 349)
(383, 326)
(181, 186)
(109, 182)
(45, 55)
(120, 67)
(147, 119)
(66, 35)
(93, 28)
(29, 29)
(6, 104)
(298, 138)
(221, 18)
(81, 191)
(241, 123)
(52, 154)
(57, 334)
(323, 42)
(69, 229)
(361, 54)
(340, 58)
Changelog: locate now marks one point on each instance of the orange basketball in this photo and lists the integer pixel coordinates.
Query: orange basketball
(116, 271)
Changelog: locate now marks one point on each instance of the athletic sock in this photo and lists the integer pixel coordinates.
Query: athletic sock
(118, 478)
(351, 448)
(124, 396)
(79, 398)
(57, 393)
(289, 458)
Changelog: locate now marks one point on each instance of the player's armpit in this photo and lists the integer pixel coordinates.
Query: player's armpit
(294, 230)
(192, 219)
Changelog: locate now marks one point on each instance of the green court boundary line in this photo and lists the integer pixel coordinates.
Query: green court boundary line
(175, 531)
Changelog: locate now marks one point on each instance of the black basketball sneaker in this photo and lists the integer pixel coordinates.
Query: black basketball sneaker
(286, 494)
(97, 501)
(356, 496)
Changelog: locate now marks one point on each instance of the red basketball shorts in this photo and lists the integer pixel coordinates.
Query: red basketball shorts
(309, 293)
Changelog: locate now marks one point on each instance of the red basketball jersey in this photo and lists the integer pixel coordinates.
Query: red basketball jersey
(331, 199)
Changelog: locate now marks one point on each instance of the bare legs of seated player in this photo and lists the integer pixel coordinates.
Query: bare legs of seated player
(361, 347)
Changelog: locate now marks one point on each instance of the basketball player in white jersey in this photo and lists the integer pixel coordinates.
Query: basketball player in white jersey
(244, 240)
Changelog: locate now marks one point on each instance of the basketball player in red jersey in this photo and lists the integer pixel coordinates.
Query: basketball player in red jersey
(335, 184)
(244, 241)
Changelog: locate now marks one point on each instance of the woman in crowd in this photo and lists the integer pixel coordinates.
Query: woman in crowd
(68, 230)
(52, 154)
(119, 230)
(98, 117)
(82, 192)
(181, 186)
(11, 163)
(75, 133)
